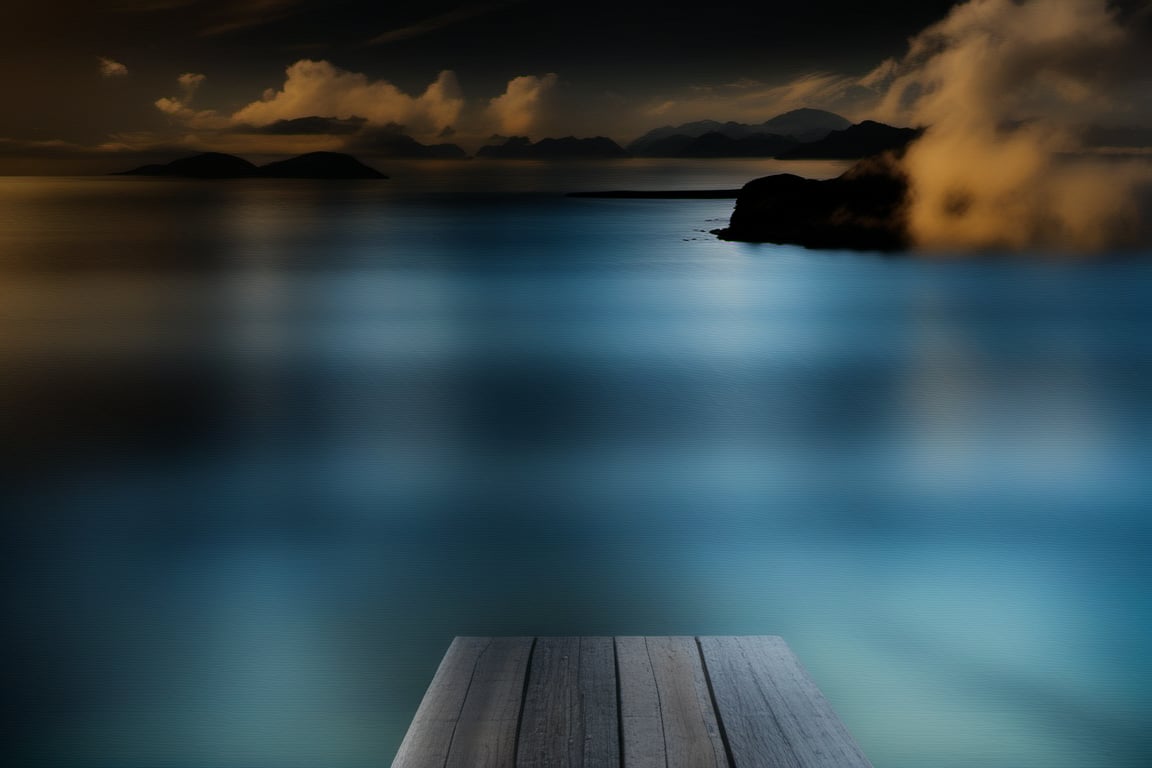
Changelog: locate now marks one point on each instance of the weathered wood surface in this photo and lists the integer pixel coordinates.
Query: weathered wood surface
(773, 713)
(626, 702)
(667, 718)
(570, 715)
(472, 708)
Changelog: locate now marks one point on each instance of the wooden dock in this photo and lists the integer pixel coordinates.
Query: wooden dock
(625, 702)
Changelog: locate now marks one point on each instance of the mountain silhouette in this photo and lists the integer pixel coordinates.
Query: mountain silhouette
(319, 165)
(805, 124)
(799, 124)
(209, 165)
(393, 143)
(216, 165)
(861, 140)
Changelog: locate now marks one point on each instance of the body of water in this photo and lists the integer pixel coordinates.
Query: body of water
(269, 445)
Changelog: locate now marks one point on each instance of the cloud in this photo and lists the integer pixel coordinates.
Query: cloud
(318, 88)
(1004, 88)
(218, 17)
(179, 107)
(754, 101)
(438, 22)
(111, 67)
(190, 82)
(518, 110)
(238, 15)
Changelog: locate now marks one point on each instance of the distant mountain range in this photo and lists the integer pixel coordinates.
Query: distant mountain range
(856, 141)
(569, 147)
(217, 165)
(797, 126)
(801, 133)
(394, 144)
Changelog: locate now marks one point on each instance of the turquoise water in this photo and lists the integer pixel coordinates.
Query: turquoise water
(269, 445)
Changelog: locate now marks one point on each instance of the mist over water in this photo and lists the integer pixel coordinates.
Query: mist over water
(1007, 90)
(268, 446)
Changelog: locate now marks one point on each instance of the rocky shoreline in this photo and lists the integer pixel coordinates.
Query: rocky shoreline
(862, 209)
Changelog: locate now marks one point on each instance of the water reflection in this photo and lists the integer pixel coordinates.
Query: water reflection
(269, 451)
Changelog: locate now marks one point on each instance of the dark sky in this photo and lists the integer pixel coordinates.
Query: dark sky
(50, 49)
(90, 74)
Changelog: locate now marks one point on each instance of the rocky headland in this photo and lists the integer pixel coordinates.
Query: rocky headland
(862, 209)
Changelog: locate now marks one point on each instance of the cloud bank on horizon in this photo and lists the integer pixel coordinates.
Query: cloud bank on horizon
(316, 94)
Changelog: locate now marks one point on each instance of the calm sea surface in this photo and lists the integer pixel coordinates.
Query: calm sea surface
(267, 446)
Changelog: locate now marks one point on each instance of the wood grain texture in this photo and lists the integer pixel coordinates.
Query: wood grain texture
(670, 684)
(637, 702)
(570, 705)
(430, 734)
(485, 735)
(773, 713)
(598, 703)
(641, 728)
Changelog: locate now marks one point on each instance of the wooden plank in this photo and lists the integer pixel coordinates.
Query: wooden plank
(570, 705)
(598, 703)
(430, 734)
(772, 712)
(549, 702)
(641, 730)
(485, 736)
(667, 714)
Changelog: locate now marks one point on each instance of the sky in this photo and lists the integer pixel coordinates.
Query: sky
(101, 81)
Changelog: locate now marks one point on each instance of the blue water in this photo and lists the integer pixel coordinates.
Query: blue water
(267, 446)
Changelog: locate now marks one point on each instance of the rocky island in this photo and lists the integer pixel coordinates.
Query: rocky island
(862, 209)
(217, 165)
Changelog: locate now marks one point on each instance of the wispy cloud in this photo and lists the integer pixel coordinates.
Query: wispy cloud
(246, 14)
(111, 67)
(180, 107)
(218, 17)
(436, 23)
(753, 101)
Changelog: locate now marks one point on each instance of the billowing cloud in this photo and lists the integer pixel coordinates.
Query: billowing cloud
(517, 111)
(1003, 87)
(318, 88)
(111, 67)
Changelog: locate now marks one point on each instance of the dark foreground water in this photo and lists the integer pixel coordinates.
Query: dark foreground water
(267, 446)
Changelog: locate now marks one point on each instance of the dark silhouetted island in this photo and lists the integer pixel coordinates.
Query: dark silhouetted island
(319, 165)
(856, 141)
(210, 165)
(569, 147)
(216, 165)
(863, 209)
